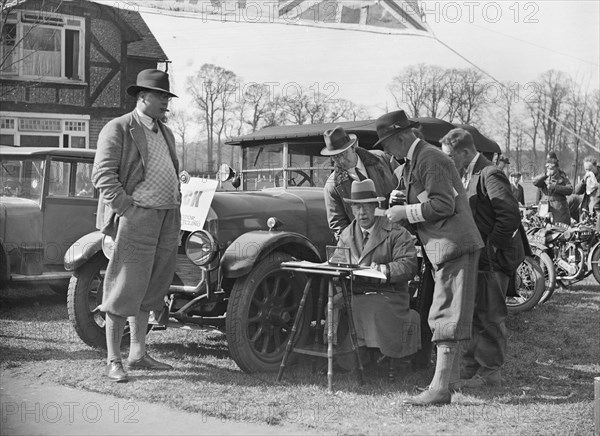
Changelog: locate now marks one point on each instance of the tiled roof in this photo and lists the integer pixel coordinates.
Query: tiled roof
(148, 46)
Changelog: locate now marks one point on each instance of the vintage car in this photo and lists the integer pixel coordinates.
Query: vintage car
(229, 272)
(47, 202)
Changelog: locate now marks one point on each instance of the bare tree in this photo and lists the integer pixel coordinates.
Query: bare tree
(344, 110)
(553, 92)
(472, 95)
(295, 108)
(507, 101)
(212, 89)
(257, 97)
(410, 87)
(274, 115)
(180, 122)
(578, 106)
(436, 92)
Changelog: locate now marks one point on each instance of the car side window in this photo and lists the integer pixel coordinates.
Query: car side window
(83, 180)
(58, 182)
(306, 166)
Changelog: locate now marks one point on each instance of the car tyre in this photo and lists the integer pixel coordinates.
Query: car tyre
(84, 299)
(83, 303)
(261, 312)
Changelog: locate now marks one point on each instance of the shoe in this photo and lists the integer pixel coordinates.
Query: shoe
(114, 371)
(452, 387)
(478, 381)
(455, 386)
(147, 362)
(429, 397)
(467, 373)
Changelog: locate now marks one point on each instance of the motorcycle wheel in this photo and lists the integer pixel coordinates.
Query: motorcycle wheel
(596, 264)
(529, 284)
(83, 303)
(261, 312)
(549, 272)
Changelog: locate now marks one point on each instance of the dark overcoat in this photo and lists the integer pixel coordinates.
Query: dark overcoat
(555, 189)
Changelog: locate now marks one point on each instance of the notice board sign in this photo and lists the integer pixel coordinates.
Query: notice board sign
(196, 197)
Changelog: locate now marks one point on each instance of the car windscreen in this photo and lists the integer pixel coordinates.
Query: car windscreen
(284, 165)
(22, 178)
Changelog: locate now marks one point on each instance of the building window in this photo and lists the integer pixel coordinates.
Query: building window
(42, 46)
(44, 130)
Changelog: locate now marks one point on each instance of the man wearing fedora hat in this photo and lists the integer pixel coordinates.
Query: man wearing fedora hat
(381, 312)
(503, 162)
(437, 208)
(136, 172)
(496, 213)
(352, 163)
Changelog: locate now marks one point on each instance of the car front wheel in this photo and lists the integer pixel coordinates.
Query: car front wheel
(261, 312)
(84, 299)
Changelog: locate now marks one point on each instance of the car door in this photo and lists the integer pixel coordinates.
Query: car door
(69, 206)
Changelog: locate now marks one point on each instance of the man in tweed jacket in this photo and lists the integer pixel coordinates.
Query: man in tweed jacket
(136, 172)
(436, 207)
(352, 163)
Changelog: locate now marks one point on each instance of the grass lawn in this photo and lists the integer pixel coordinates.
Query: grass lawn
(554, 355)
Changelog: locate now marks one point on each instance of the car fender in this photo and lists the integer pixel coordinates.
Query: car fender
(83, 250)
(247, 249)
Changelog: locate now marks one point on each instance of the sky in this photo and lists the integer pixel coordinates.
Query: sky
(512, 41)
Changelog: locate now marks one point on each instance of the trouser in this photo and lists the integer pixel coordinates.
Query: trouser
(486, 351)
(451, 312)
(141, 268)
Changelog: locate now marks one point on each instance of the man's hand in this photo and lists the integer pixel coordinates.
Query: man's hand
(397, 197)
(396, 213)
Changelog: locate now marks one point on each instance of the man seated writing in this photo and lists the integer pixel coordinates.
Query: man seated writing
(380, 307)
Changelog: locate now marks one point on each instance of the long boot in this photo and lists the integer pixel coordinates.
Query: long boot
(438, 391)
(114, 332)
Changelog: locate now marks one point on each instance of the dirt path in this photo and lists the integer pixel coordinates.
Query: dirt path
(30, 407)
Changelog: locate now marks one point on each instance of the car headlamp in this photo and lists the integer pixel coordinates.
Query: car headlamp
(273, 223)
(201, 248)
(108, 246)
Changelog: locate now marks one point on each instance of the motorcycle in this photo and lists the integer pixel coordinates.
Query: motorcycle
(567, 254)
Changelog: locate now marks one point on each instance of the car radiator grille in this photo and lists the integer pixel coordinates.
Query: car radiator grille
(189, 273)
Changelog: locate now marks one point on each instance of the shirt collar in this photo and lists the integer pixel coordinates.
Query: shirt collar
(361, 166)
(411, 150)
(370, 229)
(145, 119)
(471, 166)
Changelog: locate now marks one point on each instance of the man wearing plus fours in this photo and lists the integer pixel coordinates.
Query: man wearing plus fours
(136, 170)
(438, 210)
